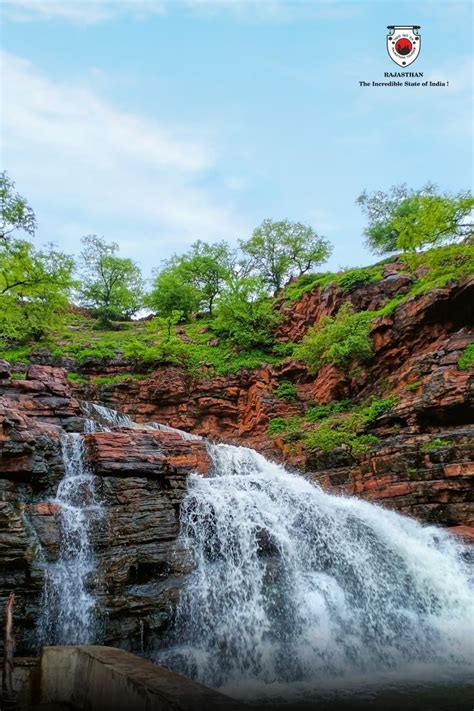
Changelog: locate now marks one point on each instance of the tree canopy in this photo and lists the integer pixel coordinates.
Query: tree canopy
(15, 213)
(280, 250)
(408, 220)
(246, 316)
(111, 285)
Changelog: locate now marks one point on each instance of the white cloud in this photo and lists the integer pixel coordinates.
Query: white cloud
(82, 157)
(80, 11)
(89, 12)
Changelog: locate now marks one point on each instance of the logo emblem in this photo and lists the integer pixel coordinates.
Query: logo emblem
(403, 44)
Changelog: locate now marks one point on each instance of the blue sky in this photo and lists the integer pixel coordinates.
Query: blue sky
(159, 122)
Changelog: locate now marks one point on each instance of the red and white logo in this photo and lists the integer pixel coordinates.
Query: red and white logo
(403, 44)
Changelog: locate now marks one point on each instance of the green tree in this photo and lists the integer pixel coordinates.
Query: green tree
(34, 284)
(207, 268)
(15, 213)
(245, 315)
(407, 220)
(279, 250)
(172, 292)
(34, 290)
(111, 285)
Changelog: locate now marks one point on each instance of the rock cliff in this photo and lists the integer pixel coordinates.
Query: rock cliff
(420, 461)
(416, 350)
(142, 478)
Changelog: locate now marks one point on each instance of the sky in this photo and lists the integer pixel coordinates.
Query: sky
(155, 123)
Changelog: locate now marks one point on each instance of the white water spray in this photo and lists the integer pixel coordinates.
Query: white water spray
(68, 606)
(296, 590)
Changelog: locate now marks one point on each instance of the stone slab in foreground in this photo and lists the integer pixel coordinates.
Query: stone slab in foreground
(108, 679)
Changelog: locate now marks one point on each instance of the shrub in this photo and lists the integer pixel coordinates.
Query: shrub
(466, 361)
(286, 391)
(289, 428)
(346, 429)
(320, 412)
(340, 340)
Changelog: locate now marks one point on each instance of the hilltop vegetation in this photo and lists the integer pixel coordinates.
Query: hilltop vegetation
(215, 309)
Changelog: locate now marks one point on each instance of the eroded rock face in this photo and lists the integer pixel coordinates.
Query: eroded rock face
(141, 479)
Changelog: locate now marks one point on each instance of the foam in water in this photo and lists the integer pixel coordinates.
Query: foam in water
(295, 590)
(68, 606)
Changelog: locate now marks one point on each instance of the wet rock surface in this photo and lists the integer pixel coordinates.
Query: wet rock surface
(140, 481)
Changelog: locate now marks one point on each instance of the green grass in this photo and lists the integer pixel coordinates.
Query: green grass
(466, 361)
(113, 379)
(436, 443)
(348, 280)
(16, 375)
(76, 378)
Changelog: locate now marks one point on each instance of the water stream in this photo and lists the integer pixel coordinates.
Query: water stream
(68, 606)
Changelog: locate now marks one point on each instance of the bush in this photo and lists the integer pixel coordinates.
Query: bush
(466, 361)
(246, 316)
(320, 412)
(286, 391)
(341, 340)
(289, 428)
(346, 429)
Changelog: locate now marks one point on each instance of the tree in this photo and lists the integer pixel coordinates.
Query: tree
(206, 267)
(34, 284)
(407, 220)
(171, 292)
(112, 285)
(15, 213)
(34, 289)
(246, 316)
(279, 250)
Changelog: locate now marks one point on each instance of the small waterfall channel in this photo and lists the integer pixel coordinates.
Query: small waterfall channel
(68, 606)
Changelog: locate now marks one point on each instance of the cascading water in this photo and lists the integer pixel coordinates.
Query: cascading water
(68, 606)
(106, 418)
(295, 590)
(68, 609)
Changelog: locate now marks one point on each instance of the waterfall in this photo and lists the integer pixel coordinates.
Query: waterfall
(296, 591)
(67, 615)
(106, 418)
